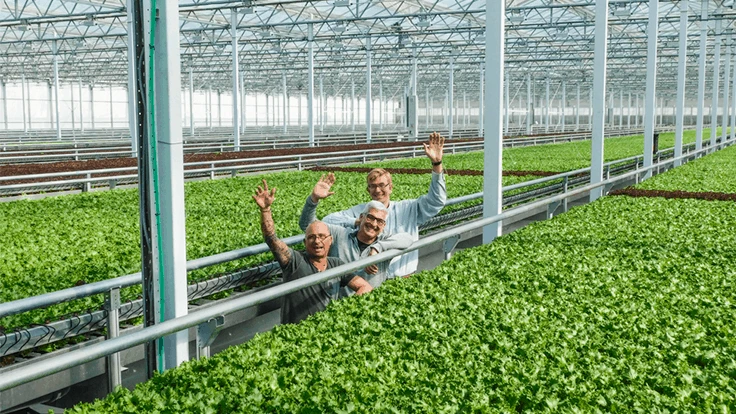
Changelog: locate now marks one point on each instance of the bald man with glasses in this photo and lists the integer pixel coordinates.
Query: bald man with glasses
(350, 244)
(299, 305)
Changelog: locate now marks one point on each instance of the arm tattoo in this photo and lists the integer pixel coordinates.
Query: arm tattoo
(279, 249)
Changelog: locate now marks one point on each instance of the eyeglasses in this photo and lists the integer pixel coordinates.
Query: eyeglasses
(314, 237)
(380, 186)
(378, 221)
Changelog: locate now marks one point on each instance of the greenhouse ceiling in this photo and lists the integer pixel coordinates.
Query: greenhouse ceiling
(544, 38)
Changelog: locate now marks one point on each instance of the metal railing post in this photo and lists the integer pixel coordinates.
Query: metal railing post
(112, 305)
(564, 191)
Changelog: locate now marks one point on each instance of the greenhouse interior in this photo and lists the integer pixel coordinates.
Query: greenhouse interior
(197, 210)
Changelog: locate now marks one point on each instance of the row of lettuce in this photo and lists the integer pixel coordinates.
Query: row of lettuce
(622, 305)
(60, 242)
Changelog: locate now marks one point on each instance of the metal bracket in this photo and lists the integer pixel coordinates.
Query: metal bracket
(206, 335)
(552, 207)
(607, 188)
(448, 245)
(112, 306)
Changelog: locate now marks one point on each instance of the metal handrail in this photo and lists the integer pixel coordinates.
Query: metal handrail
(74, 358)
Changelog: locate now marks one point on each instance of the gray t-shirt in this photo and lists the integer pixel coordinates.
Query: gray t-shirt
(299, 305)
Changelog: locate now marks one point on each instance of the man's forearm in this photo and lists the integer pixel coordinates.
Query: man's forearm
(279, 249)
(309, 213)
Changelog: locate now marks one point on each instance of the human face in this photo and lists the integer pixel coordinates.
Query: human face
(371, 225)
(317, 240)
(380, 189)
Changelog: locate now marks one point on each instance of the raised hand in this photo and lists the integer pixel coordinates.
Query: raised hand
(263, 197)
(322, 188)
(434, 148)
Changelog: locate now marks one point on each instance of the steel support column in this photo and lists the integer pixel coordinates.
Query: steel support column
(56, 90)
(112, 111)
(599, 95)
(726, 92)
(506, 112)
(481, 100)
(81, 107)
(92, 104)
(651, 85)
(352, 104)
(286, 101)
(167, 79)
(191, 102)
(381, 104)
(23, 100)
(547, 104)
(493, 137)
(577, 108)
(368, 86)
(450, 95)
(716, 85)
(236, 78)
(4, 91)
(701, 75)
(563, 104)
(528, 103)
(628, 113)
(310, 83)
(132, 91)
(681, 68)
(733, 92)
(321, 104)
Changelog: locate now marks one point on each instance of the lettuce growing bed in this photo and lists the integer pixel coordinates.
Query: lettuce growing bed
(551, 157)
(623, 305)
(715, 172)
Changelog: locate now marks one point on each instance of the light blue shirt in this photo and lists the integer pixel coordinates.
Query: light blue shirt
(403, 217)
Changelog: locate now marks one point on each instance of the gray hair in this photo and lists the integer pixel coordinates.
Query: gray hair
(373, 205)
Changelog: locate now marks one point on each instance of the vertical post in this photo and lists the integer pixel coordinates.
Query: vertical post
(414, 99)
(628, 113)
(321, 105)
(56, 90)
(112, 306)
(167, 80)
(528, 103)
(368, 86)
(492, 156)
(621, 108)
(132, 92)
(681, 67)
(219, 108)
(599, 96)
(716, 85)
(242, 102)
(450, 99)
(726, 91)
(112, 112)
(465, 108)
(286, 102)
(577, 109)
(236, 78)
(4, 91)
(352, 104)
(92, 104)
(563, 104)
(428, 109)
(51, 103)
(733, 92)
(651, 91)
(481, 101)
(506, 112)
(546, 105)
(81, 107)
(191, 102)
(381, 104)
(23, 100)
(310, 83)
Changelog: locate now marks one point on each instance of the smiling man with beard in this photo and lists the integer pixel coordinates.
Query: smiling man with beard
(350, 244)
(298, 305)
